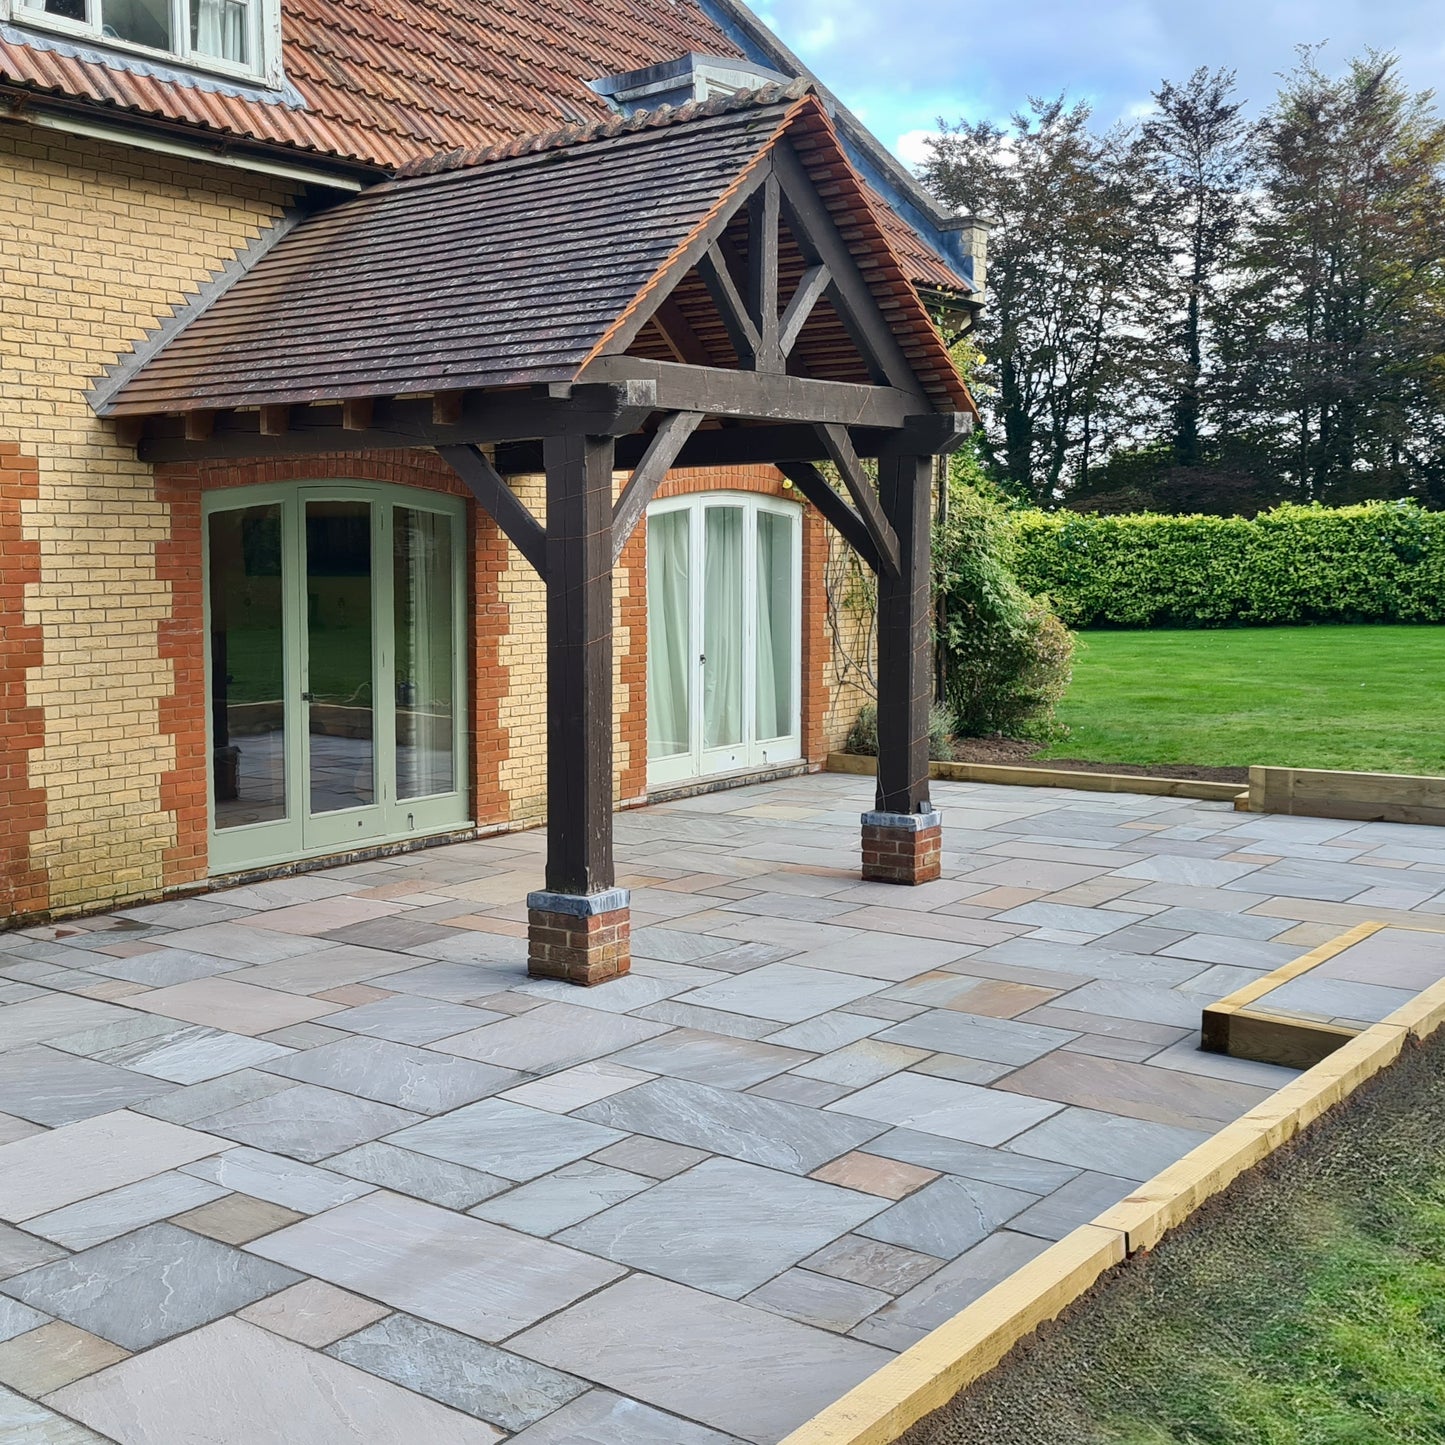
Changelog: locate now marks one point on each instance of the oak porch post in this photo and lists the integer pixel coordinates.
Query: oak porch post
(579, 927)
(902, 838)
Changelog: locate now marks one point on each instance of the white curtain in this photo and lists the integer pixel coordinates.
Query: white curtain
(669, 622)
(218, 29)
(722, 697)
(775, 626)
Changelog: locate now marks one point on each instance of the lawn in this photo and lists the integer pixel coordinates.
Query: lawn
(1370, 699)
(1305, 1307)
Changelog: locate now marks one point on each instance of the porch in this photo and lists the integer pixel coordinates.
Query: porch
(316, 1159)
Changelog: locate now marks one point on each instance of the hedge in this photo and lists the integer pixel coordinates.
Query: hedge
(1376, 562)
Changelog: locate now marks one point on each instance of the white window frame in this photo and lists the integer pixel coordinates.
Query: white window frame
(265, 37)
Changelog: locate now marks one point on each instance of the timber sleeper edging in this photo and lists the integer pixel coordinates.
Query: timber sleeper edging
(962, 1350)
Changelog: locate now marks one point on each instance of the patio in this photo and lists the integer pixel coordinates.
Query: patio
(315, 1160)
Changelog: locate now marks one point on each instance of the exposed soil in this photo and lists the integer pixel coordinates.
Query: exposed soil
(1010, 752)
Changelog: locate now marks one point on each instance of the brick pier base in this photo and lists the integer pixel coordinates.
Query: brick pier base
(902, 848)
(584, 939)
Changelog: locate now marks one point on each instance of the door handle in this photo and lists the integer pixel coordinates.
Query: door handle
(308, 697)
(702, 659)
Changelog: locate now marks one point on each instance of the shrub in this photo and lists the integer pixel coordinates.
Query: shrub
(863, 739)
(1376, 562)
(1008, 656)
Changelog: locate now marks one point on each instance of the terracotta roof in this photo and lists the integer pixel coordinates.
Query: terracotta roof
(385, 82)
(510, 270)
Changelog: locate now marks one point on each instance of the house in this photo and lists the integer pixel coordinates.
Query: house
(410, 425)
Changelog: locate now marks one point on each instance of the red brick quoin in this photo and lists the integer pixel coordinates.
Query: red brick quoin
(902, 848)
(581, 940)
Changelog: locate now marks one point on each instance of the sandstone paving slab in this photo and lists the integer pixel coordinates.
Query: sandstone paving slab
(276, 1179)
(827, 1032)
(1227, 949)
(1392, 958)
(741, 1126)
(724, 1226)
(53, 1355)
(784, 992)
(818, 1299)
(307, 1122)
(888, 1268)
(191, 1055)
(464, 1273)
(162, 967)
(201, 1390)
(18, 1319)
(239, 942)
(93, 1221)
(1145, 1003)
(874, 1174)
(948, 1216)
(510, 1140)
(744, 1371)
(28, 1423)
(570, 1089)
(148, 1286)
(182, 913)
(1327, 998)
(571, 1194)
(214, 1096)
(1068, 965)
(601, 1418)
(421, 1080)
(864, 1062)
(636, 990)
(48, 1087)
(438, 1182)
(237, 1219)
(313, 1313)
(705, 1058)
(48, 1171)
(37, 1020)
(941, 1106)
(328, 968)
(411, 1019)
(708, 1020)
(476, 1378)
(1089, 1139)
(654, 1157)
(1080, 1200)
(20, 1251)
(225, 1002)
(999, 1041)
(555, 1036)
(673, 945)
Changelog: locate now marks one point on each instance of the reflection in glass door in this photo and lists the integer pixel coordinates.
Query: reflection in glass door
(724, 619)
(336, 669)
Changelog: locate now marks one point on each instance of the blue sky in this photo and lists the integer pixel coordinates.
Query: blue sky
(902, 63)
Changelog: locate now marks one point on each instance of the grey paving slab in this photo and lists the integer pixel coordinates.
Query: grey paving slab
(438, 1182)
(464, 1273)
(1144, 1002)
(18, 1319)
(35, 1020)
(226, 1002)
(708, 1020)
(1080, 1200)
(783, 992)
(675, 945)
(562, 1092)
(278, 1180)
(566, 1197)
(887, 1268)
(307, 1397)
(20, 1251)
(240, 943)
(306, 1122)
(328, 968)
(1085, 961)
(999, 1041)
(162, 967)
(192, 1055)
(972, 1161)
(705, 1058)
(421, 1080)
(313, 1313)
(411, 1019)
(1095, 921)
(791, 1089)
(198, 1101)
(148, 1286)
(478, 1379)
(741, 1370)
(554, 1036)
(948, 1216)
(52, 1088)
(827, 1032)
(507, 1139)
(1088, 1139)
(724, 1226)
(741, 1126)
(453, 980)
(1333, 998)
(25, 1422)
(864, 1062)
(103, 1042)
(1392, 958)
(654, 1157)
(118, 1211)
(818, 1299)
(942, 1106)
(1199, 872)
(601, 1418)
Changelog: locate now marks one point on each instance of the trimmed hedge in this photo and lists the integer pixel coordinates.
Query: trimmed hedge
(1377, 562)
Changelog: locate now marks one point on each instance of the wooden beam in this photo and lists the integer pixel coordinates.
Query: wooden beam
(275, 421)
(677, 331)
(849, 525)
(865, 499)
(446, 407)
(763, 232)
(719, 391)
(671, 437)
(500, 503)
(816, 280)
(742, 331)
(129, 430)
(521, 414)
(579, 664)
(199, 425)
(905, 651)
(356, 414)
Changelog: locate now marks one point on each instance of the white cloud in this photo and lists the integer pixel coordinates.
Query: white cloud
(912, 146)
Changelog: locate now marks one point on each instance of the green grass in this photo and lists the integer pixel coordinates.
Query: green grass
(1369, 699)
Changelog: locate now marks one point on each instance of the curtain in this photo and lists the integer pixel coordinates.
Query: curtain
(669, 621)
(722, 697)
(218, 29)
(775, 626)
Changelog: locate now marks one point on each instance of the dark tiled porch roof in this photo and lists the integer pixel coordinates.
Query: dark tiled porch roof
(502, 269)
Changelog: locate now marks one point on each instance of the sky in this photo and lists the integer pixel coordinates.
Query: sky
(901, 64)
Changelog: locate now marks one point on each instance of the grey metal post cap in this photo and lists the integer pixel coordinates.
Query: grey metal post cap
(581, 905)
(905, 822)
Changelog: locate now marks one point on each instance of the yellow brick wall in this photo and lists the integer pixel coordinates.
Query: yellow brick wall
(850, 673)
(97, 243)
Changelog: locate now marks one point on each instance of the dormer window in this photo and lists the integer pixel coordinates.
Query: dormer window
(231, 36)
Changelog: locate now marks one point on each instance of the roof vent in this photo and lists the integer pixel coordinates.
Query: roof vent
(688, 78)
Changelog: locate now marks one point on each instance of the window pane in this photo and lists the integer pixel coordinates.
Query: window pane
(722, 611)
(669, 620)
(776, 667)
(222, 29)
(142, 22)
(248, 656)
(422, 565)
(339, 658)
(66, 9)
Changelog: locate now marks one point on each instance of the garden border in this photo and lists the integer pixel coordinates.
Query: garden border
(927, 1376)
(1354, 797)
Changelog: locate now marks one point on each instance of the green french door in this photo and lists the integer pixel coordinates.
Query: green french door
(336, 669)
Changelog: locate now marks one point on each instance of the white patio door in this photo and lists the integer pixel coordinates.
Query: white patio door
(724, 632)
